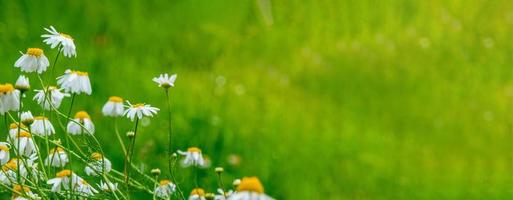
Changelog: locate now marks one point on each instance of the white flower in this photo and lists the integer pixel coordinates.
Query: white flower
(165, 81)
(250, 188)
(55, 38)
(57, 157)
(9, 98)
(22, 83)
(193, 157)
(30, 165)
(108, 186)
(8, 174)
(85, 189)
(4, 152)
(27, 118)
(23, 193)
(197, 194)
(42, 126)
(81, 118)
(98, 165)
(140, 110)
(114, 107)
(54, 97)
(165, 189)
(24, 144)
(13, 131)
(76, 82)
(222, 195)
(33, 61)
(62, 181)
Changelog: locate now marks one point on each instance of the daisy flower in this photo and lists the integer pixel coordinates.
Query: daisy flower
(53, 99)
(76, 82)
(108, 186)
(62, 181)
(81, 118)
(27, 118)
(23, 193)
(139, 110)
(13, 131)
(8, 175)
(85, 189)
(165, 81)
(193, 157)
(33, 61)
(57, 157)
(250, 188)
(165, 189)
(22, 83)
(42, 126)
(24, 144)
(9, 98)
(197, 194)
(4, 153)
(114, 107)
(55, 39)
(98, 165)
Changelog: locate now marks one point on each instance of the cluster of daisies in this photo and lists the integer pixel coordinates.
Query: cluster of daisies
(36, 164)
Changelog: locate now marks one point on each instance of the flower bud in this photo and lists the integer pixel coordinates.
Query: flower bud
(209, 196)
(219, 170)
(27, 118)
(155, 172)
(236, 182)
(174, 155)
(22, 84)
(130, 134)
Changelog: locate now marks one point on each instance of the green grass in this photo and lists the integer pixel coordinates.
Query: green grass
(334, 100)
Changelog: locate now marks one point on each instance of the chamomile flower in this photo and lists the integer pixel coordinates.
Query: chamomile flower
(4, 152)
(33, 61)
(165, 81)
(139, 110)
(98, 165)
(114, 107)
(57, 157)
(42, 126)
(62, 181)
(14, 129)
(8, 174)
(165, 189)
(24, 144)
(27, 118)
(193, 157)
(9, 98)
(85, 189)
(81, 118)
(75, 82)
(108, 186)
(250, 188)
(54, 39)
(23, 193)
(197, 194)
(52, 99)
(22, 83)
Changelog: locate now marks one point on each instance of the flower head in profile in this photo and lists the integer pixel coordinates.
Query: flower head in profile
(23, 193)
(4, 152)
(193, 157)
(27, 118)
(165, 81)
(62, 181)
(52, 99)
(42, 126)
(197, 194)
(75, 82)
(32, 61)
(57, 157)
(165, 189)
(54, 39)
(139, 110)
(98, 165)
(250, 188)
(9, 98)
(114, 107)
(24, 143)
(85, 189)
(14, 128)
(8, 175)
(81, 124)
(22, 84)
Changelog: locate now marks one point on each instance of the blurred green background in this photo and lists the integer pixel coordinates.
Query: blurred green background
(322, 99)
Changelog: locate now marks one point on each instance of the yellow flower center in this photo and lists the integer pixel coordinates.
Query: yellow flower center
(194, 149)
(96, 156)
(35, 52)
(164, 182)
(115, 99)
(11, 165)
(139, 105)
(82, 115)
(15, 126)
(19, 188)
(63, 173)
(24, 134)
(56, 150)
(80, 73)
(6, 88)
(198, 191)
(4, 148)
(66, 36)
(250, 184)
